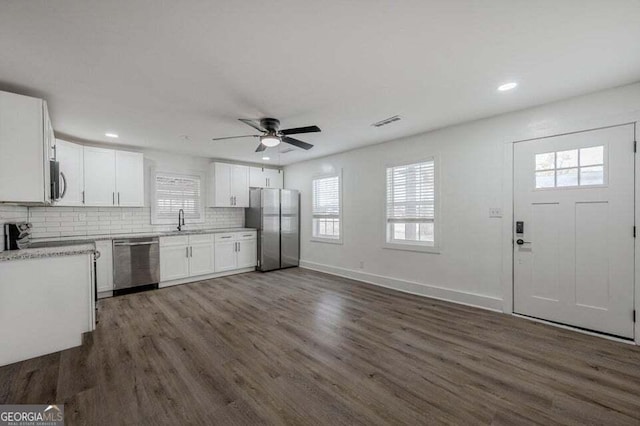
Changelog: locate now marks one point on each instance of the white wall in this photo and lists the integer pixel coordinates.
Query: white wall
(52, 222)
(471, 179)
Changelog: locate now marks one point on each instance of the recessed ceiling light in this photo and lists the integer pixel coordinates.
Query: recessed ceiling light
(266, 158)
(507, 86)
(111, 135)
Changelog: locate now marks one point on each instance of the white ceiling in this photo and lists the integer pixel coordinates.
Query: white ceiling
(154, 70)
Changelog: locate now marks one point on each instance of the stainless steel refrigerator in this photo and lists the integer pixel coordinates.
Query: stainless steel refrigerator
(275, 213)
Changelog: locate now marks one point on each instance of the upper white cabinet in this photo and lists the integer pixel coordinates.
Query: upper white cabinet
(71, 159)
(265, 178)
(113, 178)
(129, 179)
(26, 146)
(100, 176)
(228, 185)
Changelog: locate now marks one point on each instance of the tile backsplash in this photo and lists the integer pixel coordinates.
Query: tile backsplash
(49, 222)
(9, 213)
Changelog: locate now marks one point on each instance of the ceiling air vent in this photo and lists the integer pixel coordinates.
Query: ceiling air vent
(386, 121)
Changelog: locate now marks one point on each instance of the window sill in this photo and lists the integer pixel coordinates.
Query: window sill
(326, 240)
(412, 247)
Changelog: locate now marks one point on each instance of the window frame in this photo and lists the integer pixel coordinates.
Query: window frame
(339, 240)
(605, 169)
(166, 221)
(434, 248)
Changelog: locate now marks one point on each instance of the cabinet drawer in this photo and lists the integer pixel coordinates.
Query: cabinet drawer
(249, 235)
(230, 236)
(200, 238)
(179, 240)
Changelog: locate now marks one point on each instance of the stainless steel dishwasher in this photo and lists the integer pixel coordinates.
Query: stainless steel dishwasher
(136, 262)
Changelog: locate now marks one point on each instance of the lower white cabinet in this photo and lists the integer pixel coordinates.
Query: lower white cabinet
(104, 266)
(247, 252)
(201, 255)
(174, 257)
(195, 255)
(226, 256)
(236, 250)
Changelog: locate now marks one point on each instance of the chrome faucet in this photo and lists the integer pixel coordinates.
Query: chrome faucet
(180, 222)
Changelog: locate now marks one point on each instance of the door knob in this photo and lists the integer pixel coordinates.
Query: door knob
(520, 242)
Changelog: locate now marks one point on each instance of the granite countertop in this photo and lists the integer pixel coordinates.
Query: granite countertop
(84, 244)
(34, 253)
(102, 237)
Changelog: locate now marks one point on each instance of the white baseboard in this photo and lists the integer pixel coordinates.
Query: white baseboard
(204, 277)
(411, 287)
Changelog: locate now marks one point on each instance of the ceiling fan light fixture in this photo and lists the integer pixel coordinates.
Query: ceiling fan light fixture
(270, 141)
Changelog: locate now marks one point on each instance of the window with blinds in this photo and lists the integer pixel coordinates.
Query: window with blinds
(326, 208)
(411, 204)
(174, 192)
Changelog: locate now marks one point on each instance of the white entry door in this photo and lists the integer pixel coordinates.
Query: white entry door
(574, 229)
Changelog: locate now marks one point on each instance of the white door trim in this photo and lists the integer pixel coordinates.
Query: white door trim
(507, 281)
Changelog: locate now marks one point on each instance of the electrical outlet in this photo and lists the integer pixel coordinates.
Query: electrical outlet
(495, 212)
(82, 217)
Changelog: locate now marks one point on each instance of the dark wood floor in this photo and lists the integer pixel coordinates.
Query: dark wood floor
(300, 347)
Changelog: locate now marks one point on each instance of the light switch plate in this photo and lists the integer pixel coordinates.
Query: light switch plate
(495, 212)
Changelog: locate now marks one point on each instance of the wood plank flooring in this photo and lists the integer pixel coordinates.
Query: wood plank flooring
(301, 347)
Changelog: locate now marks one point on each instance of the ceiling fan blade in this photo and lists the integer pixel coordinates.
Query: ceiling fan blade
(252, 124)
(261, 148)
(298, 130)
(296, 142)
(236, 137)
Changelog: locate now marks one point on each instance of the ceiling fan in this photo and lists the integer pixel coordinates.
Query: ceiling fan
(272, 136)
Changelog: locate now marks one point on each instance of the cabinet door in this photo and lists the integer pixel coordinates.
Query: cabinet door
(201, 259)
(256, 177)
(100, 178)
(104, 263)
(222, 185)
(273, 178)
(129, 179)
(24, 164)
(247, 253)
(174, 262)
(71, 157)
(226, 256)
(240, 186)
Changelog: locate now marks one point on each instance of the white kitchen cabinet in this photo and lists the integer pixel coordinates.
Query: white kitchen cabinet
(129, 179)
(104, 263)
(174, 257)
(25, 150)
(228, 185)
(99, 176)
(265, 178)
(201, 255)
(235, 250)
(45, 315)
(113, 178)
(274, 178)
(226, 258)
(247, 253)
(71, 158)
(240, 185)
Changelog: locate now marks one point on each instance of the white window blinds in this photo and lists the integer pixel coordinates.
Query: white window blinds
(411, 202)
(326, 207)
(175, 192)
